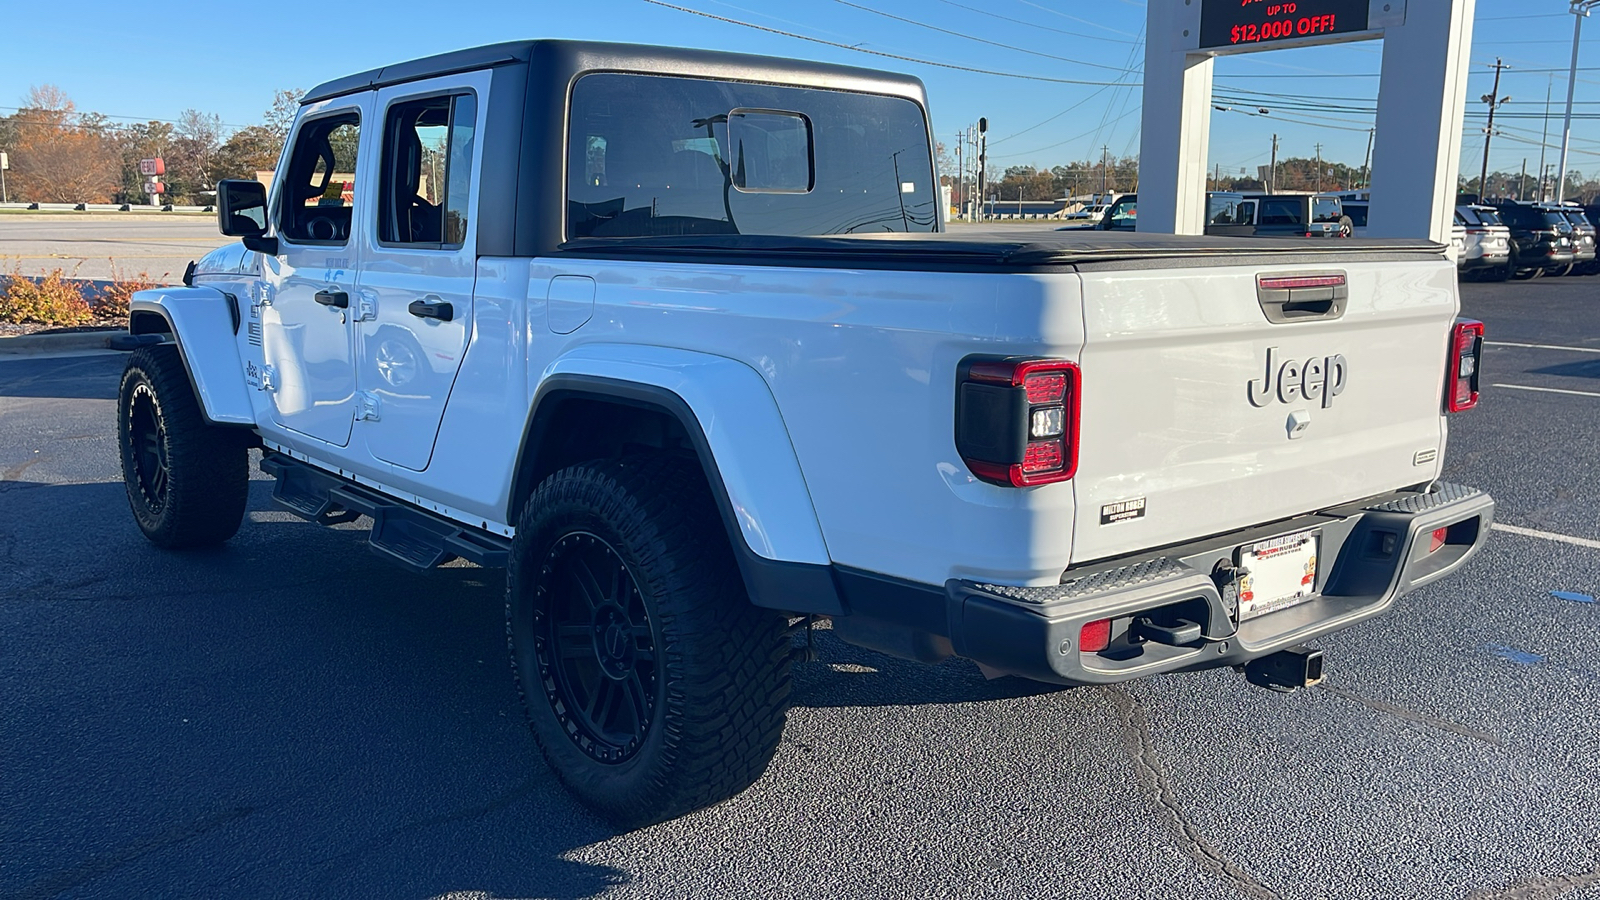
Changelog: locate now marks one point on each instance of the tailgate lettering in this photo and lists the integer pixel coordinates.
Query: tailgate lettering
(1291, 380)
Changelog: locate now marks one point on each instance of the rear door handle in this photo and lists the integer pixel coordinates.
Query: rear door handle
(431, 307)
(334, 298)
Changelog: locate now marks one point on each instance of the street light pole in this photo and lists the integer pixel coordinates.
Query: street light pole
(1580, 11)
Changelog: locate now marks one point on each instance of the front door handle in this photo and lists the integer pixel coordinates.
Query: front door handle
(334, 298)
(431, 307)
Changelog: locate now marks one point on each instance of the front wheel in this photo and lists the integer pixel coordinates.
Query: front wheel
(187, 480)
(652, 685)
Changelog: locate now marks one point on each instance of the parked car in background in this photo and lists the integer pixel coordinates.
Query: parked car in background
(1355, 205)
(1541, 239)
(1583, 241)
(1486, 253)
(1246, 215)
(1285, 215)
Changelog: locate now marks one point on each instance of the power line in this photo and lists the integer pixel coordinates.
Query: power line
(1035, 25)
(911, 59)
(968, 37)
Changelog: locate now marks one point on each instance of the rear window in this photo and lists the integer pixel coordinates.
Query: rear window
(1488, 216)
(1325, 209)
(658, 155)
(1282, 211)
(1555, 218)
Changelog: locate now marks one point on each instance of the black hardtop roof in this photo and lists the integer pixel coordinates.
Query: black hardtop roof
(578, 56)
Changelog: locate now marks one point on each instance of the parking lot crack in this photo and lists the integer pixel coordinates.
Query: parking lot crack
(1414, 716)
(1543, 888)
(105, 864)
(1157, 784)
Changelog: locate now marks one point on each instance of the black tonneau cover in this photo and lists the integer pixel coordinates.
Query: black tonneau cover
(1008, 250)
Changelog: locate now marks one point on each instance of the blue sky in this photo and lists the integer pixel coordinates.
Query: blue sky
(190, 64)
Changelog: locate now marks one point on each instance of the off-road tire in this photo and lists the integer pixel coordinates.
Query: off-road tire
(708, 675)
(187, 480)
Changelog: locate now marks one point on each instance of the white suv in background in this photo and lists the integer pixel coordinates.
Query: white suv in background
(1486, 253)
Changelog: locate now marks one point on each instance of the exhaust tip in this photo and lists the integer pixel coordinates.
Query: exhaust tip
(1286, 670)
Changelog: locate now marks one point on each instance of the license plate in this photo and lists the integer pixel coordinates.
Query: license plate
(1283, 573)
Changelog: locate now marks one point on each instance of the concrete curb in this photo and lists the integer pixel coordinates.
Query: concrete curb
(56, 343)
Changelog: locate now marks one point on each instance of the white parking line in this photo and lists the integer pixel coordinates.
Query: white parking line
(1547, 535)
(1523, 387)
(1542, 346)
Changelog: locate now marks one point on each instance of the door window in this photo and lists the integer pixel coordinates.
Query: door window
(319, 186)
(427, 171)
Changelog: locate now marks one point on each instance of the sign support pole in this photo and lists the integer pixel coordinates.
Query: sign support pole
(1176, 122)
(1422, 98)
(1421, 107)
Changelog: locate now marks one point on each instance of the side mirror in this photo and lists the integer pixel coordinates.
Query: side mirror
(242, 213)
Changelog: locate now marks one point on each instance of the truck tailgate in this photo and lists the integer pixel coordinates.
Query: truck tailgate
(1189, 430)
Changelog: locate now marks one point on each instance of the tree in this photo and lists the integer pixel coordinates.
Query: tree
(55, 158)
(280, 117)
(248, 151)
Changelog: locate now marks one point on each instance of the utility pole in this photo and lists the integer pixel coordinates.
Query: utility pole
(961, 174)
(1319, 168)
(983, 155)
(1366, 166)
(1522, 181)
(1272, 173)
(1494, 100)
(1545, 141)
(1580, 11)
(1105, 154)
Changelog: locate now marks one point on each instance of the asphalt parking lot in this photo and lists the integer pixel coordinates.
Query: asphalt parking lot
(85, 245)
(291, 717)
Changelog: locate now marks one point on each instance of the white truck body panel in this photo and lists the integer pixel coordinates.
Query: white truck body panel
(1167, 419)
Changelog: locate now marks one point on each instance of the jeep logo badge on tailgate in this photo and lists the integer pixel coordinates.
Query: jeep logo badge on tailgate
(1313, 379)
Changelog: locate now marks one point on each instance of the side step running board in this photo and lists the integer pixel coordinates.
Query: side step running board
(401, 533)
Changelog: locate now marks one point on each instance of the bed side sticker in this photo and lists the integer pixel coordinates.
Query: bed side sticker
(1122, 511)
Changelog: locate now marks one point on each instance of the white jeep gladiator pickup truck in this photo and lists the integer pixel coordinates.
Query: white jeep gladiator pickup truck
(678, 339)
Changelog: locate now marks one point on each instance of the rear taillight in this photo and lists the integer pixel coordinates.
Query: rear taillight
(1466, 351)
(1095, 636)
(1017, 420)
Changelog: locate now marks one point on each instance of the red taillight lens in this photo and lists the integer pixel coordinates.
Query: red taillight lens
(1461, 379)
(1439, 536)
(1017, 420)
(1046, 387)
(1095, 636)
(1041, 457)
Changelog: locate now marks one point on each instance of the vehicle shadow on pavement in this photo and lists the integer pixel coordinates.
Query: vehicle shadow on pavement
(61, 378)
(288, 715)
(284, 716)
(846, 675)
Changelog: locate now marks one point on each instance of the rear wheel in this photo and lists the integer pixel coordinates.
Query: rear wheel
(1562, 271)
(652, 685)
(187, 479)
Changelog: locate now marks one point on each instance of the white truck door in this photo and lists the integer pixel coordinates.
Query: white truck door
(418, 264)
(307, 338)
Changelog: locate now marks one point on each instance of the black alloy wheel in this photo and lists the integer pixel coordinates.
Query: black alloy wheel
(147, 448)
(595, 648)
